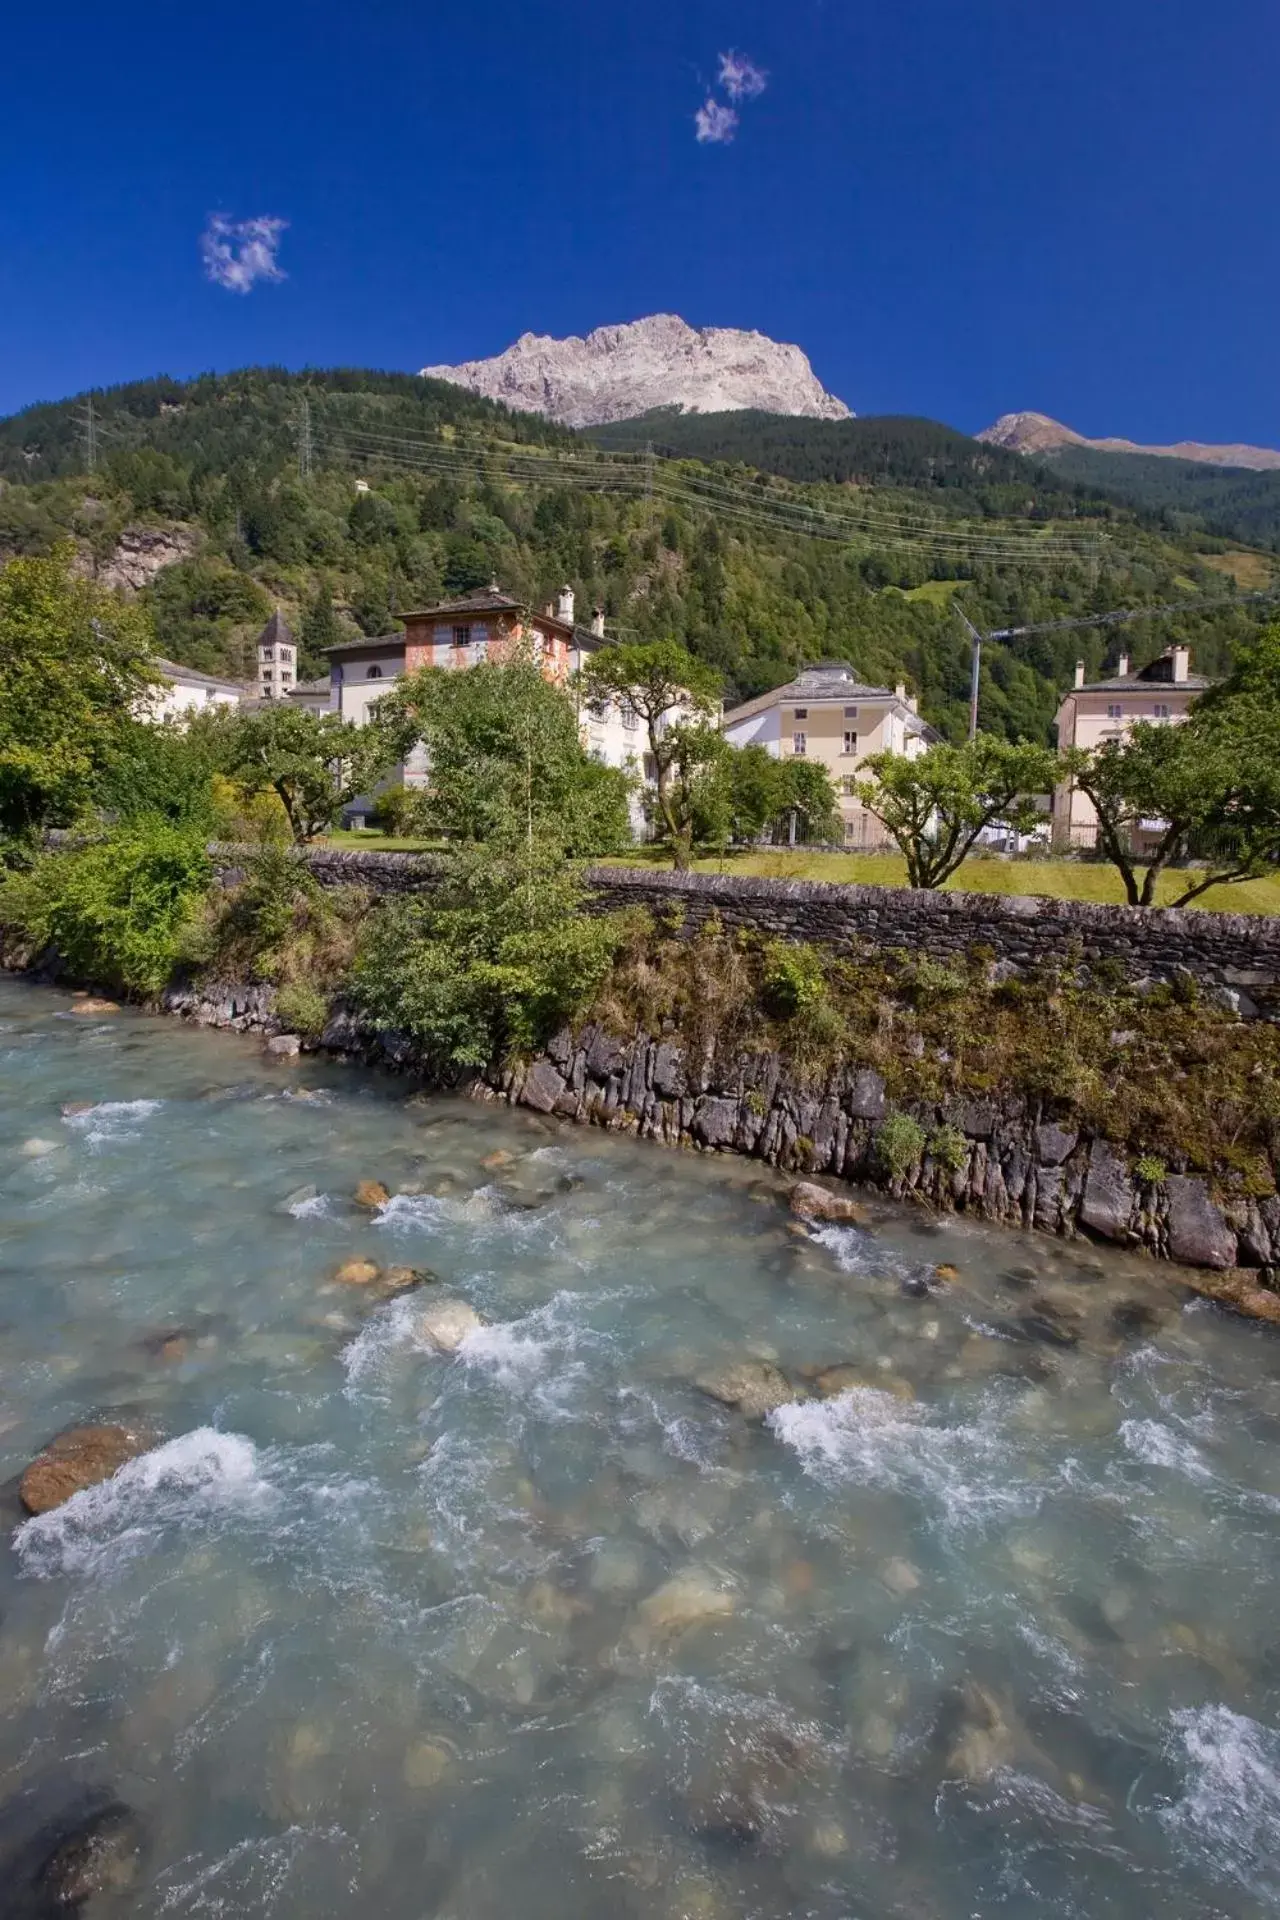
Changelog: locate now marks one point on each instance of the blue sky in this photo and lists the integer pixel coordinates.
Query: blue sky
(957, 207)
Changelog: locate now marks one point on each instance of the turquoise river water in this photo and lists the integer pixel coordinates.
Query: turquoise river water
(541, 1628)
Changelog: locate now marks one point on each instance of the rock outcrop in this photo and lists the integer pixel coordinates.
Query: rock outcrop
(76, 1459)
(619, 372)
(139, 555)
(1037, 433)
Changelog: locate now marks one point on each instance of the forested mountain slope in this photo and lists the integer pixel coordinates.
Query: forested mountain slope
(1188, 495)
(843, 540)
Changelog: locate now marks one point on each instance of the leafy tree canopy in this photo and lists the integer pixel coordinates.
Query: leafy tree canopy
(935, 805)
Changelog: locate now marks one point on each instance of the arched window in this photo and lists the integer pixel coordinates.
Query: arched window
(373, 673)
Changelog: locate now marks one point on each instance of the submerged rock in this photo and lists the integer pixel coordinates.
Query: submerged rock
(79, 1458)
(809, 1201)
(102, 1856)
(358, 1273)
(90, 1005)
(1240, 1290)
(371, 1194)
(405, 1279)
(447, 1324)
(754, 1387)
(686, 1600)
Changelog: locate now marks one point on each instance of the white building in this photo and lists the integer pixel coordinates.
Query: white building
(828, 715)
(277, 659)
(182, 691)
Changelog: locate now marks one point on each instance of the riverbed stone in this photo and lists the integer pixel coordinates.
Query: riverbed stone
(686, 1600)
(78, 1458)
(753, 1387)
(1107, 1205)
(371, 1194)
(283, 1046)
(447, 1323)
(358, 1273)
(91, 1005)
(1198, 1234)
(809, 1201)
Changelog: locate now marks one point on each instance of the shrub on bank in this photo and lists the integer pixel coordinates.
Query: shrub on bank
(114, 911)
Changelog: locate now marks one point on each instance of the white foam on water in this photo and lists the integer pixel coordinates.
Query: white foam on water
(189, 1480)
(389, 1331)
(1229, 1815)
(112, 1119)
(407, 1211)
(1159, 1446)
(870, 1438)
(538, 1356)
(514, 1358)
(318, 1207)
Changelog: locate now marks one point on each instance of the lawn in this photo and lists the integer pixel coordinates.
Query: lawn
(1057, 879)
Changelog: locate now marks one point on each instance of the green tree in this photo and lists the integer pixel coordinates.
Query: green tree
(315, 763)
(1207, 790)
(503, 742)
(320, 628)
(74, 665)
(659, 679)
(804, 790)
(935, 805)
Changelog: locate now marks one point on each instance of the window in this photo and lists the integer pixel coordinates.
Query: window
(1161, 710)
(801, 713)
(373, 673)
(462, 636)
(1114, 710)
(851, 713)
(630, 719)
(850, 742)
(799, 742)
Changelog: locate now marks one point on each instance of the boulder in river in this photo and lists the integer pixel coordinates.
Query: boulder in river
(100, 1857)
(405, 1279)
(809, 1201)
(446, 1324)
(89, 1005)
(754, 1387)
(687, 1600)
(358, 1273)
(371, 1194)
(78, 1458)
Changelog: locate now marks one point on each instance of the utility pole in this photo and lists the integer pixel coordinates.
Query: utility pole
(90, 437)
(975, 671)
(304, 438)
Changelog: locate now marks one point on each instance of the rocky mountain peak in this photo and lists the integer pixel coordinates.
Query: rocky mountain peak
(1037, 433)
(617, 372)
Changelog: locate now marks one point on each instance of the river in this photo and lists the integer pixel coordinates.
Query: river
(540, 1627)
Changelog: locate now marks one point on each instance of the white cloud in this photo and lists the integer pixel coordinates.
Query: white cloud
(715, 122)
(239, 253)
(741, 78)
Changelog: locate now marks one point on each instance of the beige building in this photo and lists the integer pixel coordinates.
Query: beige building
(277, 659)
(828, 715)
(1095, 711)
(181, 691)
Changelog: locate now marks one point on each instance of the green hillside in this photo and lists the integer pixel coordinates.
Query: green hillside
(1233, 502)
(843, 540)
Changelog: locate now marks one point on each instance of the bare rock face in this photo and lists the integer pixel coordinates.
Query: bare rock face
(619, 372)
(140, 554)
(1037, 433)
(78, 1458)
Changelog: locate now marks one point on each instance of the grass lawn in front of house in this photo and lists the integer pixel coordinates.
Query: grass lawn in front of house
(1055, 879)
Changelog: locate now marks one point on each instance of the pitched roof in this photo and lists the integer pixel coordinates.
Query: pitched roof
(189, 677)
(1143, 683)
(477, 600)
(277, 629)
(830, 680)
(309, 686)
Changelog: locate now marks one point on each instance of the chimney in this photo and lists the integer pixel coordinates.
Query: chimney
(1122, 667)
(1181, 663)
(1079, 673)
(900, 690)
(597, 622)
(564, 605)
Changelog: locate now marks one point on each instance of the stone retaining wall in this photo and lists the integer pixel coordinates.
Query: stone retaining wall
(1237, 952)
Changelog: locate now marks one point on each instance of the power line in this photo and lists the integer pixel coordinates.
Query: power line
(304, 437)
(90, 437)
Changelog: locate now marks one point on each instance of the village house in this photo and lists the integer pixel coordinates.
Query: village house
(313, 696)
(1094, 711)
(181, 691)
(829, 716)
(485, 624)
